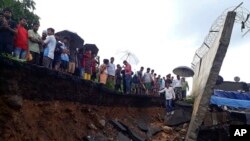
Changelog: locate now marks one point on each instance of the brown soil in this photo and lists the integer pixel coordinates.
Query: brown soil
(68, 121)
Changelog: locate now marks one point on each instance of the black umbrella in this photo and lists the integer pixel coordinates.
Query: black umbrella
(75, 40)
(183, 71)
(94, 49)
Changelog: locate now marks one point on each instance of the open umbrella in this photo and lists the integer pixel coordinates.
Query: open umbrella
(183, 71)
(129, 57)
(94, 49)
(75, 40)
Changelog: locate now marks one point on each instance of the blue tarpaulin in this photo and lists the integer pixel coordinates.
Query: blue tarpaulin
(231, 98)
(232, 94)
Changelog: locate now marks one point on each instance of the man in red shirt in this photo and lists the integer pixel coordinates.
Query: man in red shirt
(21, 40)
(128, 78)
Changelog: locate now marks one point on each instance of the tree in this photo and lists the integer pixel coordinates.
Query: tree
(21, 8)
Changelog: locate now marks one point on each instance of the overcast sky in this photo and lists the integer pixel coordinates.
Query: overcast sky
(163, 34)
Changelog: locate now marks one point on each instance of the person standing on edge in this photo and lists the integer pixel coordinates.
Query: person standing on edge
(185, 87)
(72, 59)
(124, 89)
(103, 72)
(141, 87)
(169, 97)
(21, 40)
(87, 65)
(7, 32)
(118, 78)
(34, 43)
(111, 73)
(64, 55)
(177, 87)
(44, 36)
(57, 53)
(48, 54)
(162, 86)
(128, 73)
(94, 63)
(168, 79)
(147, 80)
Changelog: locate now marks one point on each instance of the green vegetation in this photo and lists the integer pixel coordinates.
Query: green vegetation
(190, 99)
(9, 56)
(21, 8)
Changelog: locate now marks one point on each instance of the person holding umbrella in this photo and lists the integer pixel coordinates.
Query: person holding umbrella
(128, 73)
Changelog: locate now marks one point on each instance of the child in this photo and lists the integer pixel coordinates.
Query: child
(169, 96)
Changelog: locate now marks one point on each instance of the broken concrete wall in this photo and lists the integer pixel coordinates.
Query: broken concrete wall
(206, 74)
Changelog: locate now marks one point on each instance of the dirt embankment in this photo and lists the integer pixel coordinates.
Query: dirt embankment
(38, 104)
(68, 121)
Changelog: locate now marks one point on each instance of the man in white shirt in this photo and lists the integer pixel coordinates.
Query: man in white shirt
(48, 53)
(111, 72)
(177, 87)
(169, 97)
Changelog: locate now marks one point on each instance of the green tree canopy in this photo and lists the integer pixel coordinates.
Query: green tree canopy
(21, 8)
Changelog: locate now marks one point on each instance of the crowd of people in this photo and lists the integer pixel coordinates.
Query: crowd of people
(55, 52)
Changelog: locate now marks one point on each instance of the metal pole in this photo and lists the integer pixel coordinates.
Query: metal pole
(245, 33)
(238, 6)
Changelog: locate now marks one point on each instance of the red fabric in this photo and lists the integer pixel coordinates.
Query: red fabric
(86, 57)
(93, 65)
(128, 69)
(21, 39)
(86, 62)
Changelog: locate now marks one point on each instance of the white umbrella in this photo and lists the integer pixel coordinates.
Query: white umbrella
(129, 57)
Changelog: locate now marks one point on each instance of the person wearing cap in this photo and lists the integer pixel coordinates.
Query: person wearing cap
(7, 32)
